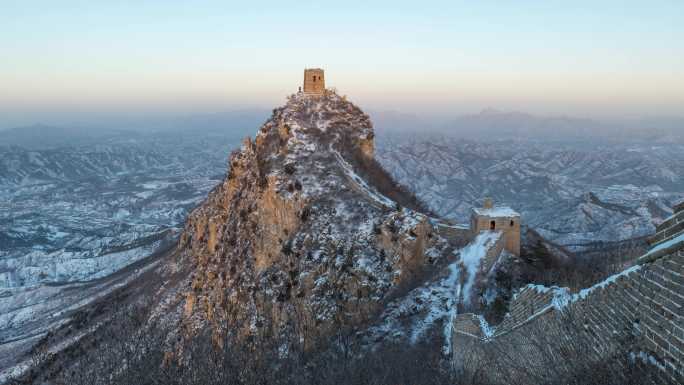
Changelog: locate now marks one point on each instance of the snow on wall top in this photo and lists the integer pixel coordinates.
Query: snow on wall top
(496, 211)
(472, 255)
(663, 246)
(436, 301)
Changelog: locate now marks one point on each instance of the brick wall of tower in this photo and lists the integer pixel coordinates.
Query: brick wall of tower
(314, 81)
(511, 233)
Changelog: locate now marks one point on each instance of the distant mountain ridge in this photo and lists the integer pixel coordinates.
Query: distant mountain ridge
(43, 136)
(40, 136)
(488, 124)
(492, 124)
(574, 195)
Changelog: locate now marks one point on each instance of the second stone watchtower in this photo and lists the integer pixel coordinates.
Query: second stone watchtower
(314, 81)
(498, 218)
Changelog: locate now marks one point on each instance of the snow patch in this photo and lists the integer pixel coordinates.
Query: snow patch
(487, 330)
(471, 258)
(349, 171)
(497, 211)
(612, 279)
(665, 245)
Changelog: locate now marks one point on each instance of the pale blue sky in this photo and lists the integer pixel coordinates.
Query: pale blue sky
(592, 58)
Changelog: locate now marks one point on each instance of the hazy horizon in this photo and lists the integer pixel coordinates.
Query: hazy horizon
(68, 61)
(160, 119)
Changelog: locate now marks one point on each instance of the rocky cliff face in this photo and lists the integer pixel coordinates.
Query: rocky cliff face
(294, 241)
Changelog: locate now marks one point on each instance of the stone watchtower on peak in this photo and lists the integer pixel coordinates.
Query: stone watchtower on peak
(314, 81)
(498, 218)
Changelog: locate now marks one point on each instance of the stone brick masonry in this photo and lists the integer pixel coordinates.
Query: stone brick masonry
(643, 304)
(314, 81)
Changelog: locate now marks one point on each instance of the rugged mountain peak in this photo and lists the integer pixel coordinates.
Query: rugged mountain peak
(309, 123)
(302, 235)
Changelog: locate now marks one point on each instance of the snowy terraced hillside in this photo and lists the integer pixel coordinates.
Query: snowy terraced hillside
(81, 213)
(72, 216)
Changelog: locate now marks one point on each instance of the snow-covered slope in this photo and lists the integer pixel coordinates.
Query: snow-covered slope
(438, 301)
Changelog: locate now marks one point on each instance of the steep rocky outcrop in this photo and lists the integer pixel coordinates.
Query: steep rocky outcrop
(294, 242)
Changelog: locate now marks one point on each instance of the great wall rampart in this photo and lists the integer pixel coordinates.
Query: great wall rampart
(638, 312)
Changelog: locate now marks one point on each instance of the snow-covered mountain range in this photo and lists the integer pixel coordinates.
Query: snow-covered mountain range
(73, 213)
(71, 216)
(572, 193)
(84, 217)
